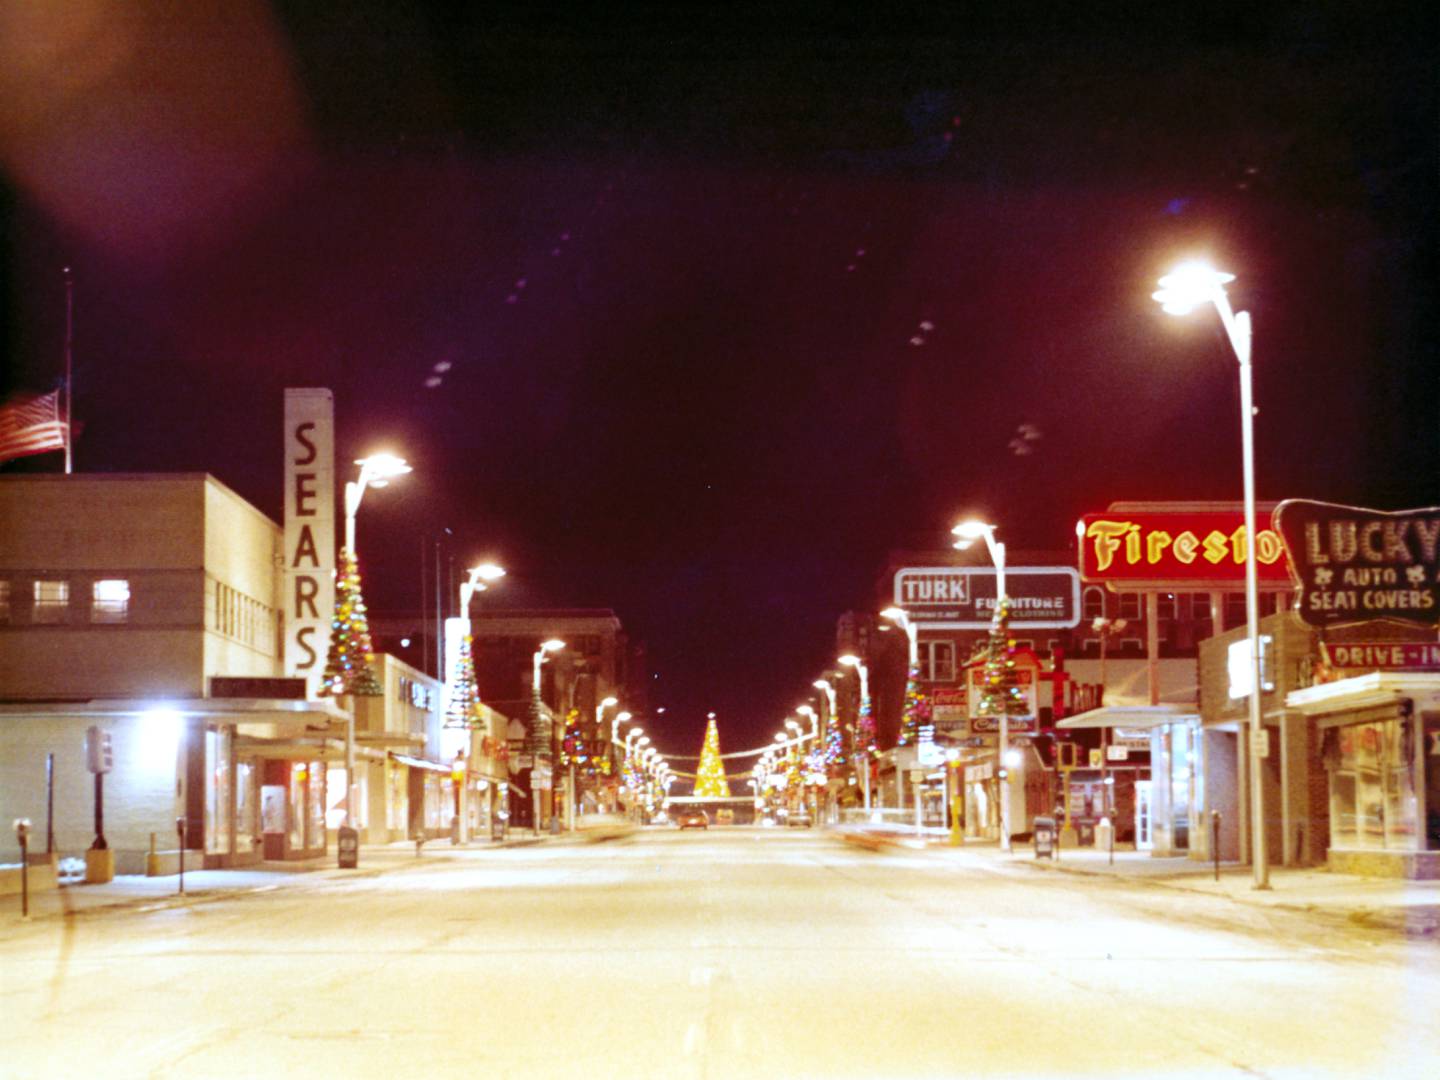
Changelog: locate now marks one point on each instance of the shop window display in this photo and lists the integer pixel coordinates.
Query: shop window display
(1373, 802)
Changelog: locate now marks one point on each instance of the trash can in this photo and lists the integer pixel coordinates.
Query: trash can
(347, 846)
(1044, 836)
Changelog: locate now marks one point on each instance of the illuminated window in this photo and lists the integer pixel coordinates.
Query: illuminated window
(52, 601)
(1093, 605)
(937, 661)
(110, 601)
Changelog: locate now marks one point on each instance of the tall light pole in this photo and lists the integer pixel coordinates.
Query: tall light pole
(546, 647)
(376, 471)
(968, 532)
(851, 660)
(475, 579)
(1183, 289)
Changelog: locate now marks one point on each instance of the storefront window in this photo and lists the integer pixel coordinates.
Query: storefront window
(316, 831)
(1373, 802)
(247, 806)
(298, 772)
(217, 790)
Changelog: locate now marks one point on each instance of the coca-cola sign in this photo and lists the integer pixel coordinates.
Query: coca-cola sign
(1353, 565)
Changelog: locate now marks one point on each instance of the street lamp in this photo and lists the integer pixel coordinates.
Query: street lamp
(968, 532)
(851, 660)
(1186, 287)
(553, 645)
(376, 471)
(901, 618)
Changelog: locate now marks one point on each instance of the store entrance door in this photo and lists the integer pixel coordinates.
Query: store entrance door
(1143, 841)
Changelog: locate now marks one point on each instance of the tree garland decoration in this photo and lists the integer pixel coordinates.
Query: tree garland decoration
(917, 708)
(347, 664)
(463, 709)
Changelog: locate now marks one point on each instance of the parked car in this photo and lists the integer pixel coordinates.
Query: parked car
(694, 819)
(799, 820)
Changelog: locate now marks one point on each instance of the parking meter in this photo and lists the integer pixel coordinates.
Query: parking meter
(180, 831)
(22, 834)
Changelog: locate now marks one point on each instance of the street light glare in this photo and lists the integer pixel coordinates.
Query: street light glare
(608, 702)
(382, 467)
(849, 660)
(1189, 285)
(553, 645)
(894, 613)
(488, 571)
(971, 530)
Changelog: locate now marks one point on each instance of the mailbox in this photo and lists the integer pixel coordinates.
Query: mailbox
(1044, 837)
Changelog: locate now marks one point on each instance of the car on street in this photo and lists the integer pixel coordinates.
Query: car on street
(798, 821)
(694, 819)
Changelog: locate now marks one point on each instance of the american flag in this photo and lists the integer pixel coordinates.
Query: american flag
(31, 425)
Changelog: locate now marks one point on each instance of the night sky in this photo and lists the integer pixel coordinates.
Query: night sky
(696, 317)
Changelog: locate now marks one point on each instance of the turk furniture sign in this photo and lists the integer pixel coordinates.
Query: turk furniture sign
(1353, 565)
(963, 597)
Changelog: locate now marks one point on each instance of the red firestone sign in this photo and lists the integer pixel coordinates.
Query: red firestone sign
(1175, 549)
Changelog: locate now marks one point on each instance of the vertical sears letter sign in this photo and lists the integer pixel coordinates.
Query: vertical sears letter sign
(309, 597)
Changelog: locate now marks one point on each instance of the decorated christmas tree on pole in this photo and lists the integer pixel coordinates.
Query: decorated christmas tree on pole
(347, 665)
(710, 782)
(865, 729)
(463, 710)
(1001, 692)
(917, 709)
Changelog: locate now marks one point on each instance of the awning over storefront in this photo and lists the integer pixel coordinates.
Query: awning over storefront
(1378, 689)
(419, 763)
(1131, 716)
(257, 716)
(316, 749)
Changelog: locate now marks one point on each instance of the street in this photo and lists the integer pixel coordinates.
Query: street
(723, 953)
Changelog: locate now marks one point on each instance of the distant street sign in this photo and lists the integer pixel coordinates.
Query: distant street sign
(1260, 742)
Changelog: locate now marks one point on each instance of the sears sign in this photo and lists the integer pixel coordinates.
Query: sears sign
(963, 597)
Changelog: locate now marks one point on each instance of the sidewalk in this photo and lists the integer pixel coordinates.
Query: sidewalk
(140, 892)
(1412, 907)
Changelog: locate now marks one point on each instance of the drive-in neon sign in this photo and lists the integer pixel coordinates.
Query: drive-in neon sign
(1159, 548)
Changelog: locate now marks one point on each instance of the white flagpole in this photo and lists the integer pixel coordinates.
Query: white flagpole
(69, 341)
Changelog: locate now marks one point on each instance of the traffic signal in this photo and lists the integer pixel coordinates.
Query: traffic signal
(99, 758)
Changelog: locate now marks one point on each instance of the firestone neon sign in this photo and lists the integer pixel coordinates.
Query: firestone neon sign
(1175, 547)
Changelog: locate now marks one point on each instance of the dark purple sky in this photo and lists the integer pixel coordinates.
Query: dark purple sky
(721, 311)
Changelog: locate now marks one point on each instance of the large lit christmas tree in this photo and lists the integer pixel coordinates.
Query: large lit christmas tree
(710, 782)
(1000, 691)
(463, 710)
(347, 665)
(917, 709)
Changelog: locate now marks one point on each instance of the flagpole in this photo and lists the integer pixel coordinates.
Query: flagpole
(69, 341)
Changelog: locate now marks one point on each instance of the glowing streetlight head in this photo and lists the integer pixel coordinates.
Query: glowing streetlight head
(850, 660)
(805, 710)
(779, 736)
(380, 469)
(1189, 285)
(610, 702)
(553, 645)
(972, 530)
(622, 717)
(487, 572)
(792, 725)
(644, 740)
(821, 684)
(895, 614)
